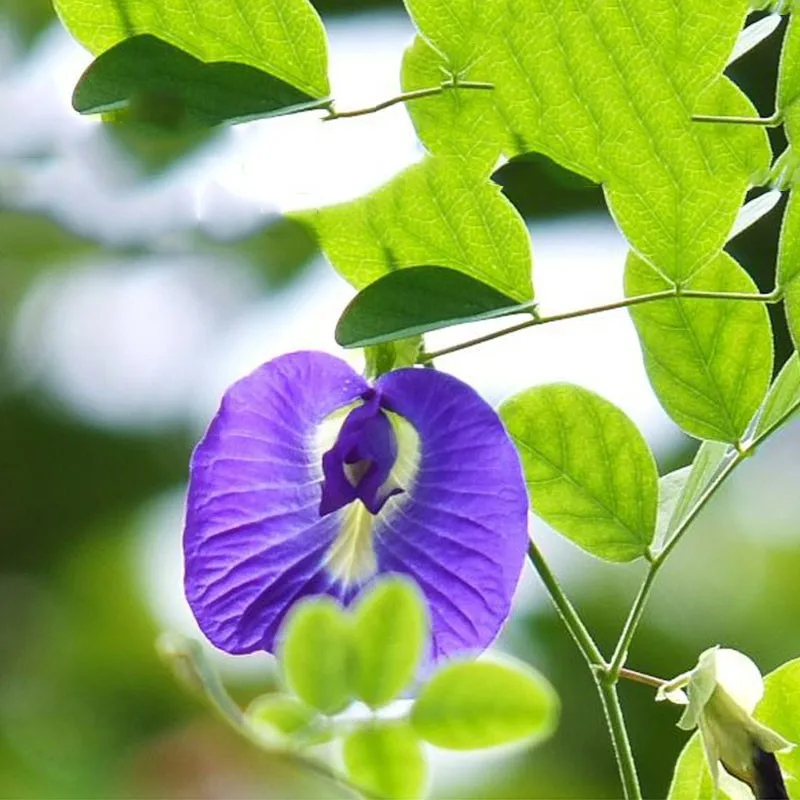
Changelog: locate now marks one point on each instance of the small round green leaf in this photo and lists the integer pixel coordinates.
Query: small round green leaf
(589, 471)
(387, 759)
(390, 632)
(483, 704)
(417, 300)
(315, 653)
(278, 715)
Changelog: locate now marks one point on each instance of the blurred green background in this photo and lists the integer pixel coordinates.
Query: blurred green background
(127, 287)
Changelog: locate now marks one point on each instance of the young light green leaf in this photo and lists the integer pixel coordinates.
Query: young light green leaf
(275, 716)
(709, 361)
(387, 758)
(284, 38)
(691, 779)
(468, 706)
(386, 356)
(783, 396)
(670, 489)
(433, 213)
(390, 633)
(417, 300)
(315, 652)
(152, 79)
(590, 474)
(683, 488)
(606, 90)
(788, 275)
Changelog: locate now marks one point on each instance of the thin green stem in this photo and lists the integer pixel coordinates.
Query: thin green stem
(742, 451)
(572, 621)
(665, 294)
(405, 97)
(641, 677)
(766, 122)
(619, 738)
(597, 665)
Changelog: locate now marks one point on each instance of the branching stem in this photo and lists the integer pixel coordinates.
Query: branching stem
(404, 97)
(666, 294)
(765, 122)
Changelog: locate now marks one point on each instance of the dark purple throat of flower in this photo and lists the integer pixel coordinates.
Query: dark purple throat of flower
(360, 463)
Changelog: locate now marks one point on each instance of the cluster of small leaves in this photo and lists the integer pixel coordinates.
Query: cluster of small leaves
(331, 658)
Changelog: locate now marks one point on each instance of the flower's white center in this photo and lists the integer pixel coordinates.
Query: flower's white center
(351, 558)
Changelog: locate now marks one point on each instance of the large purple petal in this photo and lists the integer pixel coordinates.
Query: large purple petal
(461, 529)
(254, 540)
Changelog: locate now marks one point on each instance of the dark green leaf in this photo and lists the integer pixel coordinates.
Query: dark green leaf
(483, 704)
(157, 83)
(417, 300)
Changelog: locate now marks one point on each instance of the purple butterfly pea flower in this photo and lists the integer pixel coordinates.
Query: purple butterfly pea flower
(310, 481)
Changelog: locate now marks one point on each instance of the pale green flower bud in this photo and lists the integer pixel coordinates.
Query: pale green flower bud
(721, 694)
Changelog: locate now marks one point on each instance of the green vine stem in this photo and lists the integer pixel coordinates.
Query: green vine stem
(742, 451)
(667, 294)
(594, 659)
(405, 97)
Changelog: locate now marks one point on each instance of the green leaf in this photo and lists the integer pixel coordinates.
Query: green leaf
(433, 213)
(709, 361)
(157, 82)
(783, 396)
(691, 779)
(606, 90)
(779, 709)
(384, 357)
(387, 758)
(670, 489)
(315, 653)
(589, 472)
(788, 274)
(484, 704)
(417, 300)
(390, 633)
(284, 38)
(688, 484)
(278, 715)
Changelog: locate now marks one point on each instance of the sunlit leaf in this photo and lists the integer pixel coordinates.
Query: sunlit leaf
(158, 83)
(709, 361)
(315, 652)
(278, 715)
(390, 633)
(590, 474)
(606, 90)
(783, 396)
(283, 38)
(788, 276)
(387, 758)
(417, 300)
(484, 704)
(433, 213)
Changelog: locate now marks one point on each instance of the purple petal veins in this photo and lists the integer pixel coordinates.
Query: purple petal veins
(309, 481)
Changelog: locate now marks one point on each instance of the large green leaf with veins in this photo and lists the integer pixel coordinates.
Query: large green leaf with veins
(709, 361)
(282, 37)
(607, 89)
(435, 212)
